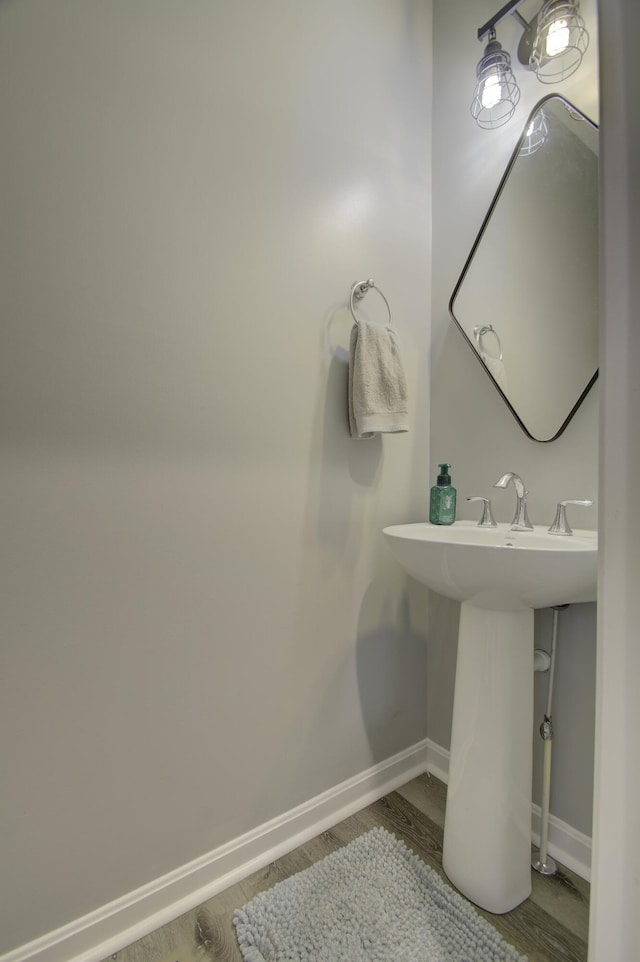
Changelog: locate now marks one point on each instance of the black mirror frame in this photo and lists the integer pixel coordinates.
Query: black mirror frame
(476, 243)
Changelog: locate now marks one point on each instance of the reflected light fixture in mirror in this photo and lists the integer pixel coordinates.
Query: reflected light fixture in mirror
(552, 45)
(535, 134)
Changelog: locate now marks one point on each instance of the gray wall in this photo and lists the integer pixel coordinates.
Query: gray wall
(470, 426)
(202, 627)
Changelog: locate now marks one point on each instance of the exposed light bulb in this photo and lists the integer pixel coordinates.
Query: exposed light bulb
(560, 42)
(491, 92)
(557, 38)
(496, 92)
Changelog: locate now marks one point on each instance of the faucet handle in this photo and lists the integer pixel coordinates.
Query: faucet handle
(487, 520)
(560, 524)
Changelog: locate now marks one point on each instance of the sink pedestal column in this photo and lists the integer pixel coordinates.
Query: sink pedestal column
(487, 834)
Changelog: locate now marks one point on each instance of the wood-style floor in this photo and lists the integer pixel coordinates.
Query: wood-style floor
(551, 926)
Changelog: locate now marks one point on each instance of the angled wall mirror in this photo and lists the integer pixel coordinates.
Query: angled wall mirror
(527, 299)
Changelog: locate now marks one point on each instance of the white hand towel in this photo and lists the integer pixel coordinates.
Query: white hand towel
(377, 383)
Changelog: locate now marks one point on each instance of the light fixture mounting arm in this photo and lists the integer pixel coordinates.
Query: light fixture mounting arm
(508, 8)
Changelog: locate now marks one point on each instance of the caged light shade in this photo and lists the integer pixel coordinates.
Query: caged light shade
(560, 43)
(496, 93)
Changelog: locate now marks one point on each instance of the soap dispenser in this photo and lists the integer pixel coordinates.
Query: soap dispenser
(442, 504)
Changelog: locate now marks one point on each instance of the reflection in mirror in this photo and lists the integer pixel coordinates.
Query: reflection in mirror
(527, 299)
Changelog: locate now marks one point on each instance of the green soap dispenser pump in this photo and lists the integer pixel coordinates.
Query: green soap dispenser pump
(442, 504)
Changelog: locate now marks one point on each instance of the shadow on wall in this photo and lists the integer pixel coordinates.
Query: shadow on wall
(573, 713)
(353, 665)
(390, 650)
(391, 663)
(341, 471)
(342, 457)
(442, 652)
(573, 718)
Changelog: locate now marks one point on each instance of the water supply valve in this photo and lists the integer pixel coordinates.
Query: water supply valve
(546, 729)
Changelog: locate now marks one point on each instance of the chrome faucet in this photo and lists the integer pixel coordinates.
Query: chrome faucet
(521, 518)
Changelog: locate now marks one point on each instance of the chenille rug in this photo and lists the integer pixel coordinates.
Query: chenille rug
(372, 901)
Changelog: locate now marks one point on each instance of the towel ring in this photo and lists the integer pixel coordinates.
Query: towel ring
(358, 290)
(479, 331)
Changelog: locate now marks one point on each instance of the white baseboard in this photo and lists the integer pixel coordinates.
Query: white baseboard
(566, 844)
(112, 927)
(437, 761)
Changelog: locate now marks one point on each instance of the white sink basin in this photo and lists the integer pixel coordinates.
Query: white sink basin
(500, 576)
(498, 568)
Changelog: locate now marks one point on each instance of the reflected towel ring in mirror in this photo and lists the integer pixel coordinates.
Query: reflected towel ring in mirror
(358, 290)
(479, 332)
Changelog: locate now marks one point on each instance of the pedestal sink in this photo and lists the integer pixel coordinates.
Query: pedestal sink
(500, 576)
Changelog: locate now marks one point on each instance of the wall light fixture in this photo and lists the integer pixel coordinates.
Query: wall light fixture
(497, 93)
(560, 41)
(552, 45)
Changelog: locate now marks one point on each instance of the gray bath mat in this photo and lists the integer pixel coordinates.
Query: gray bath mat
(371, 901)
